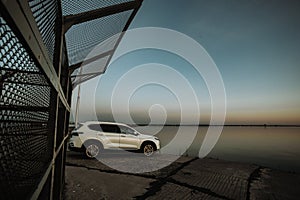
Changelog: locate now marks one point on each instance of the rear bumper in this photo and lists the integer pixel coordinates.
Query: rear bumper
(71, 147)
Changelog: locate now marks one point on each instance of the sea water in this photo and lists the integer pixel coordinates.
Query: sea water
(275, 147)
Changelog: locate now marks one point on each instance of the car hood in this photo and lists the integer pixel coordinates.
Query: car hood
(143, 136)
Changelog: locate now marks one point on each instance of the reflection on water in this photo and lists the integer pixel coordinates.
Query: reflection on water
(276, 147)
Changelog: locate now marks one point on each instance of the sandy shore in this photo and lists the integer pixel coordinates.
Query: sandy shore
(186, 178)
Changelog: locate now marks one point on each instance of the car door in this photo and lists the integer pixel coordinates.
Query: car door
(111, 134)
(128, 138)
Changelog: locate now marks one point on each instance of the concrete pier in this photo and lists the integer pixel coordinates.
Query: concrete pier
(186, 178)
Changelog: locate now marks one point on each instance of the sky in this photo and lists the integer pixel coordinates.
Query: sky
(255, 45)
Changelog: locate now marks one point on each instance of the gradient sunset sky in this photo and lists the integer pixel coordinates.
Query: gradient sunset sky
(255, 45)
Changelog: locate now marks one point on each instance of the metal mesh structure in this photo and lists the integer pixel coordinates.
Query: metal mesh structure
(45, 14)
(102, 30)
(24, 100)
(42, 43)
(82, 38)
(71, 7)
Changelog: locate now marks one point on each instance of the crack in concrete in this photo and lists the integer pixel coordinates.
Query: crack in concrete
(157, 185)
(255, 175)
(160, 182)
(111, 171)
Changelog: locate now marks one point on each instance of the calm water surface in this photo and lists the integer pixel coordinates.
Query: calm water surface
(275, 147)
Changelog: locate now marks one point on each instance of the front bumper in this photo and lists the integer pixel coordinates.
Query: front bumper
(157, 143)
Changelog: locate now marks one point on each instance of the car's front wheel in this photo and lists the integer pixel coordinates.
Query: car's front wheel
(92, 149)
(148, 149)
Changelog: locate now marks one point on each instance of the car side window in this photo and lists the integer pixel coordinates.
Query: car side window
(95, 127)
(110, 128)
(127, 130)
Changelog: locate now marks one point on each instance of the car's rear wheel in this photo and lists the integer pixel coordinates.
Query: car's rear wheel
(92, 149)
(148, 149)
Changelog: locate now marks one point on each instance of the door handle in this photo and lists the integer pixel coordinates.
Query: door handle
(123, 136)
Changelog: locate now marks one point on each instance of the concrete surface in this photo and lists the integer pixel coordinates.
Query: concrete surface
(187, 178)
(82, 183)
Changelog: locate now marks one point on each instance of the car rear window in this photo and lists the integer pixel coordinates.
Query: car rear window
(95, 127)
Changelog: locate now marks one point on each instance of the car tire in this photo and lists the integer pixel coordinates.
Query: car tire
(92, 149)
(148, 149)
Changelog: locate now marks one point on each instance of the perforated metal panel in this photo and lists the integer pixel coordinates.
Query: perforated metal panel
(82, 38)
(45, 14)
(89, 24)
(25, 138)
(71, 7)
(89, 70)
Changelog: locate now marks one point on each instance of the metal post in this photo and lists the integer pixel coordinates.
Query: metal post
(78, 100)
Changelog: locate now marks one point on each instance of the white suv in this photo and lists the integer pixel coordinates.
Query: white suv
(92, 137)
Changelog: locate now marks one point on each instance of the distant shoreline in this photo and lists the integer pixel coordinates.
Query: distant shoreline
(200, 125)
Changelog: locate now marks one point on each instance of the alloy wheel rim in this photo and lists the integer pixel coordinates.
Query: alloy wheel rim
(92, 150)
(148, 150)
